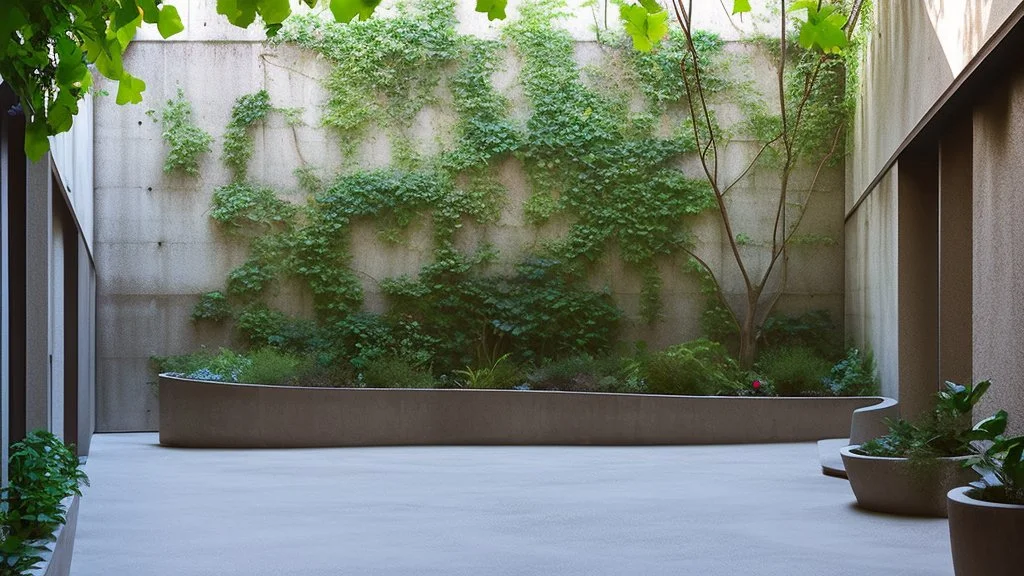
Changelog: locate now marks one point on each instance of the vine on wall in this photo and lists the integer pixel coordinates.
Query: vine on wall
(593, 159)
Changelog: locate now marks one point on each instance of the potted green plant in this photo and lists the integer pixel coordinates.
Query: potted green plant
(910, 469)
(986, 518)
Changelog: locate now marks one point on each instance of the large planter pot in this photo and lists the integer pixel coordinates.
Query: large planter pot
(904, 486)
(986, 538)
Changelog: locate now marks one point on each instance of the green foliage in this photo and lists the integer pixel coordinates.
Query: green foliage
(590, 157)
(795, 370)
(212, 306)
(999, 460)
(391, 372)
(240, 204)
(263, 326)
(697, 367)
(813, 329)
(501, 375)
(945, 431)
(46, 49)
(272, 366)
(538, 313)
(385, 69)
(854, 375)
(646, 24)
(238, 144)
(186, 140)
(43, 472)
(364, 337)
(660, 76)
(586, 373)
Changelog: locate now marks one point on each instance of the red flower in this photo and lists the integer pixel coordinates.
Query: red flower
(756, 384)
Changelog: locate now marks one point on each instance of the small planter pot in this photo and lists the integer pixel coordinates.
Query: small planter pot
(904, 486)
(985, 537)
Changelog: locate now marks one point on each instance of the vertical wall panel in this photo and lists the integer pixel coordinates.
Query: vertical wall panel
(955, 251)
(918, 262)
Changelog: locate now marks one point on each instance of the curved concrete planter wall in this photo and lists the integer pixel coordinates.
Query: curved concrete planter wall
(985, 537)
(902, 486)
(196, 413)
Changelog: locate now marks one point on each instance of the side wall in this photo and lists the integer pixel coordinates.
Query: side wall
(931, 234)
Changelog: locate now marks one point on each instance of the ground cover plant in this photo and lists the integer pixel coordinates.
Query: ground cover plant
(698, 367)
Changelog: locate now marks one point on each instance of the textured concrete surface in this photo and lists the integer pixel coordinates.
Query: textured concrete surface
(998, 249)
(701, 510)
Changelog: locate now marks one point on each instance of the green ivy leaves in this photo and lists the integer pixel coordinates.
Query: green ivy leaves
(646, 24)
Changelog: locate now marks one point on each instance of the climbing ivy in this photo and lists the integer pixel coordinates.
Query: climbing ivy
(185, 140)
(589, 156)
(238, 145)
(609, 169)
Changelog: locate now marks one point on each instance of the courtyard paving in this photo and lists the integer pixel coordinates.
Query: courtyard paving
(481, 511)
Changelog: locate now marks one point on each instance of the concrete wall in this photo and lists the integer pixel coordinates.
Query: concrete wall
(998, 303)
(157, 249)
(951, 220)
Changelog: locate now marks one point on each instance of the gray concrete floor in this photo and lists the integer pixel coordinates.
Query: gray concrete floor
(481, 511)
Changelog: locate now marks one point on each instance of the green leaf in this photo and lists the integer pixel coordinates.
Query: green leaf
(823, 29)
(274, 11)
(169, 23)
(36, 141)
(241, 13)
(644, 27)
(740, 6)
(495, 9)
(150, 12)
(129, 89)
(347, 10)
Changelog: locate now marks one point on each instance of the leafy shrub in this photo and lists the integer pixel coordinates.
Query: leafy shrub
(539, 313)
(272, 366)
(224, 366)
(364, 337)
(813, 329)
(43, 472)
(391, 372)
(795, 371)
(696, 367)
(502, 374)
(945, 431)
(264, 326)
(853, 375)
(584, 373)
(212, 306)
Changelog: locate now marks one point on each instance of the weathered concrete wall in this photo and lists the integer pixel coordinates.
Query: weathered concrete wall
(916, 51)
(157, 248)
(998, 304)
(871, 272)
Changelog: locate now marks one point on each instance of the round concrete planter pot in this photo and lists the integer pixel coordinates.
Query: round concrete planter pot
(985, 537)
(903, 486)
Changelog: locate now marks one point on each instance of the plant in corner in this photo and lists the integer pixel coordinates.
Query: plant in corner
(910, 469)
(43, 472)
(986, 518)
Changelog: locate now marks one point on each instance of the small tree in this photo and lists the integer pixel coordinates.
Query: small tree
(798, 132)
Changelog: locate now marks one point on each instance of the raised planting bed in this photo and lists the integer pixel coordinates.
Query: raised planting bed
(204, 414)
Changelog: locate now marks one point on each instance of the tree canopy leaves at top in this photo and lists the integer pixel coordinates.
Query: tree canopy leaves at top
(46, 48)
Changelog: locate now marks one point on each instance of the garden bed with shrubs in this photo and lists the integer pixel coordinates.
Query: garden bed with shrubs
(697, 368)
(692, 393)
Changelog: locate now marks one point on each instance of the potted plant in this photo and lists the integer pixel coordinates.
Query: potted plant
(910, 469)
(986, 518)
